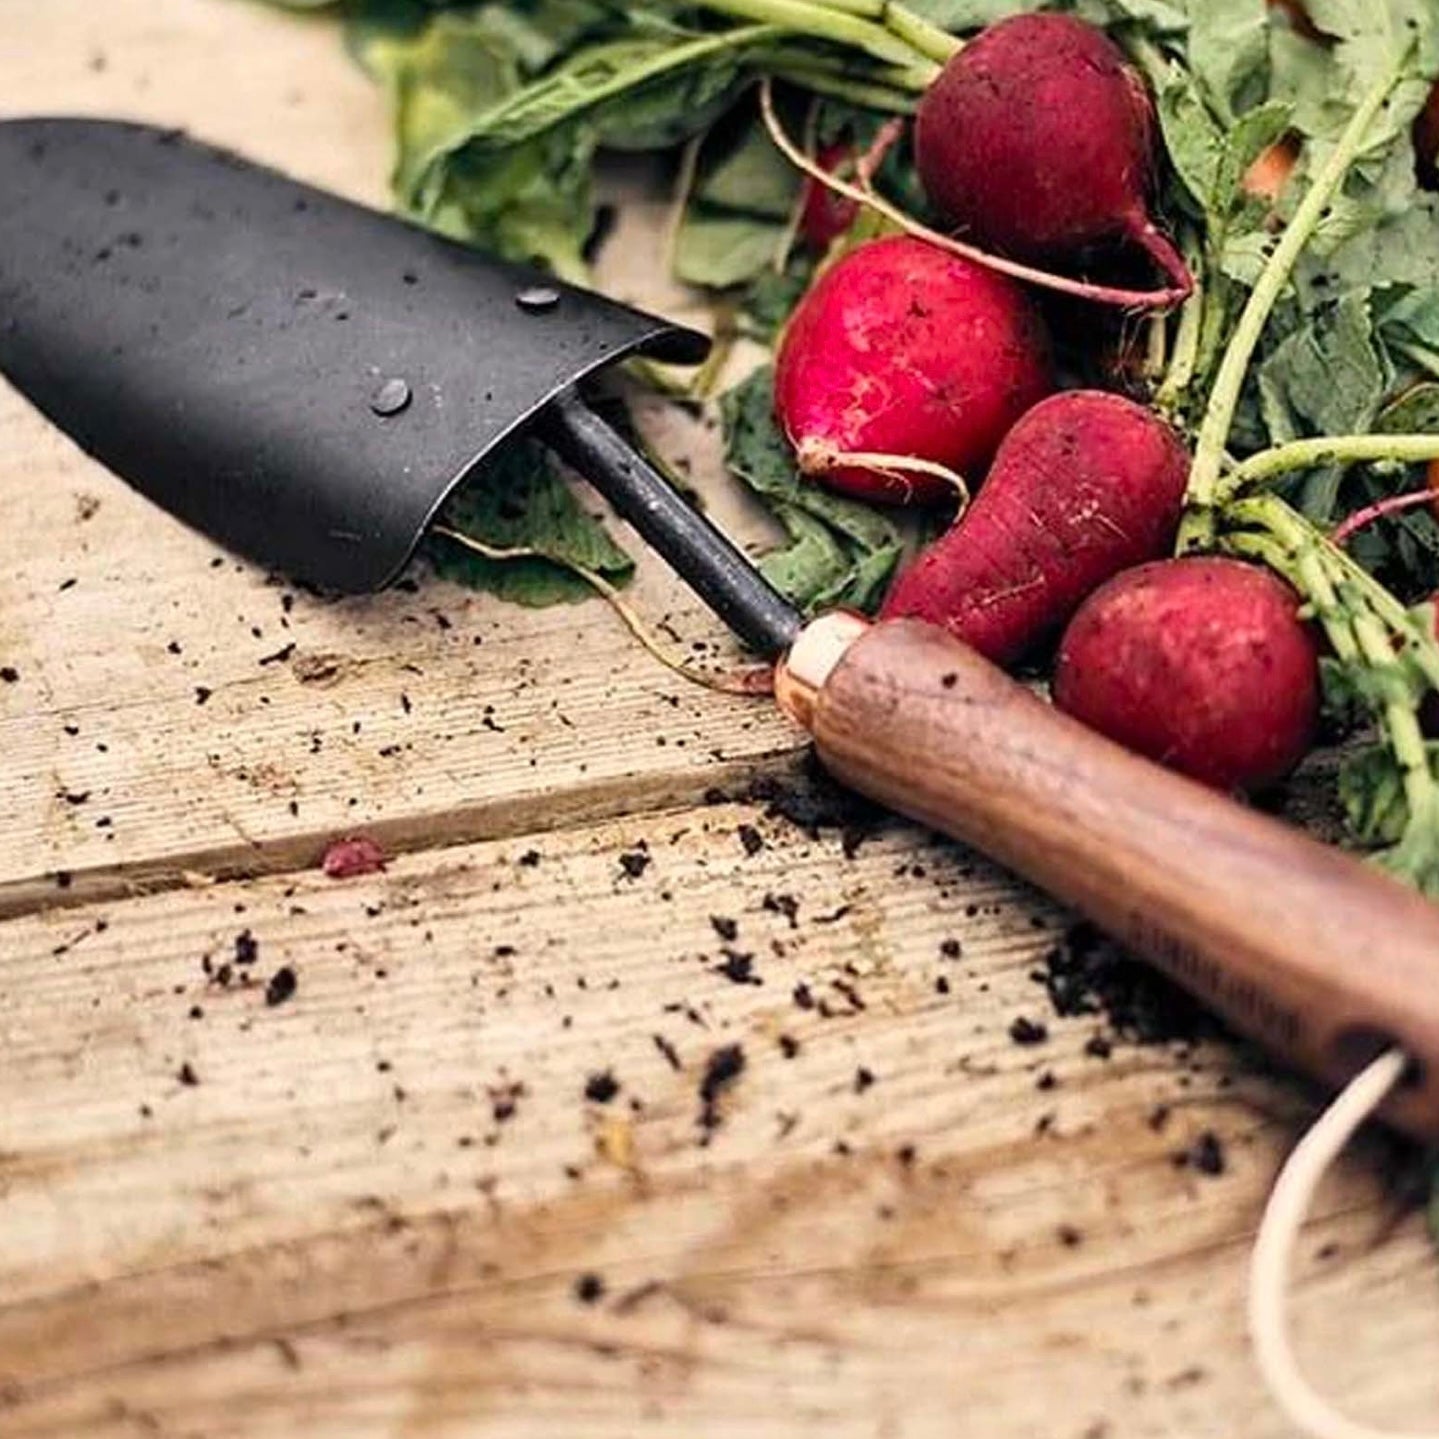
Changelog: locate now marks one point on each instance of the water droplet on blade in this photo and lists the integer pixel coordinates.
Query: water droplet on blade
(392, 397)
(536, 299)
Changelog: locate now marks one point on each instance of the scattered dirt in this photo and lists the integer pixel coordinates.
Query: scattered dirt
(722, 1069)
(1089, 974)
(281, 986)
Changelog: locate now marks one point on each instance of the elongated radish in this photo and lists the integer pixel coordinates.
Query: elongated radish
(1037, 140)
(1085, 485)
(903, 363)
(1202, 664)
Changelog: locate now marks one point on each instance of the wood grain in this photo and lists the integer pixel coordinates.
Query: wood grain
(1320, 957)
(333, 1231)
(334, 1228)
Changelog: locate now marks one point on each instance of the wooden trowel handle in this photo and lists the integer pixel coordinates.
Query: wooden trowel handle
(1319, 956)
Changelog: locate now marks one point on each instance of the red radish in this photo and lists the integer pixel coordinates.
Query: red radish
(1037, 140)
(904, 351)
(901, 350)
(1202, 664)
(1085, 485)
(824, 216)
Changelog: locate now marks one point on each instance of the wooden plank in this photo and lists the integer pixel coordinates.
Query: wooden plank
(426, 716)
(370, 1214)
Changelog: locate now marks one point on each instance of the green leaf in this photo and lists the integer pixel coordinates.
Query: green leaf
(641, 93)
(1228, 53)
(1211, 158)
(749, 175)
(960, 16)
(1193, 136)
(839, 551)
(1327, 378)
(1415, 412)
(774, 294)
(454, 68)
(1408, 325)
(1415, 858)
(1157, 17)
(1371, 789)
(718, 249)
(518, 501)
(532, 204)
(739, 210)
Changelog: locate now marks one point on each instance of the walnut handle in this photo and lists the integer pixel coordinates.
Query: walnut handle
(1319, 956)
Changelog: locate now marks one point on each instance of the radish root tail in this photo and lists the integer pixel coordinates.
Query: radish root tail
(821, 459)
(747, 680)
(1165, 255)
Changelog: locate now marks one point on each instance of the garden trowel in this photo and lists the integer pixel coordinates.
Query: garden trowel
(306, 381)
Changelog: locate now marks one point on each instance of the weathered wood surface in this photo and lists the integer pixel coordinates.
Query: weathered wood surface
(338, 1228)
(368, 1216)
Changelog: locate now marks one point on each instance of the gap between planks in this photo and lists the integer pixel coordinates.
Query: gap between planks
(622, 797)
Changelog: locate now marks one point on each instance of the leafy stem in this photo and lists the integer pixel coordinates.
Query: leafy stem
(1386, 654)
(585, 84)
(1198, 529)
(1288, 544)
(1274, 464)
(1184, 358)
(926, 37)
(890, 88)
(1400, 721)
(905, 24)
(837, 23)
(1269, 512)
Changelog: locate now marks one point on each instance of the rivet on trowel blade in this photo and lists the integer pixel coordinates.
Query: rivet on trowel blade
(392, 397)
(536, 299)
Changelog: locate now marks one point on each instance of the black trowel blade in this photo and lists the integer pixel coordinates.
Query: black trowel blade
(299, 377)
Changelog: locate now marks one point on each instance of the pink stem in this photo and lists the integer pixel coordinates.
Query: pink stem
(868, 164)
(1344, 532)
(1161, 249)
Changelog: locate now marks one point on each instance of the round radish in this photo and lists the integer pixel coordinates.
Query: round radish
(824, 216)
(1085, 485)
(1202, 664)
(900, 350)
(1037, 140)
